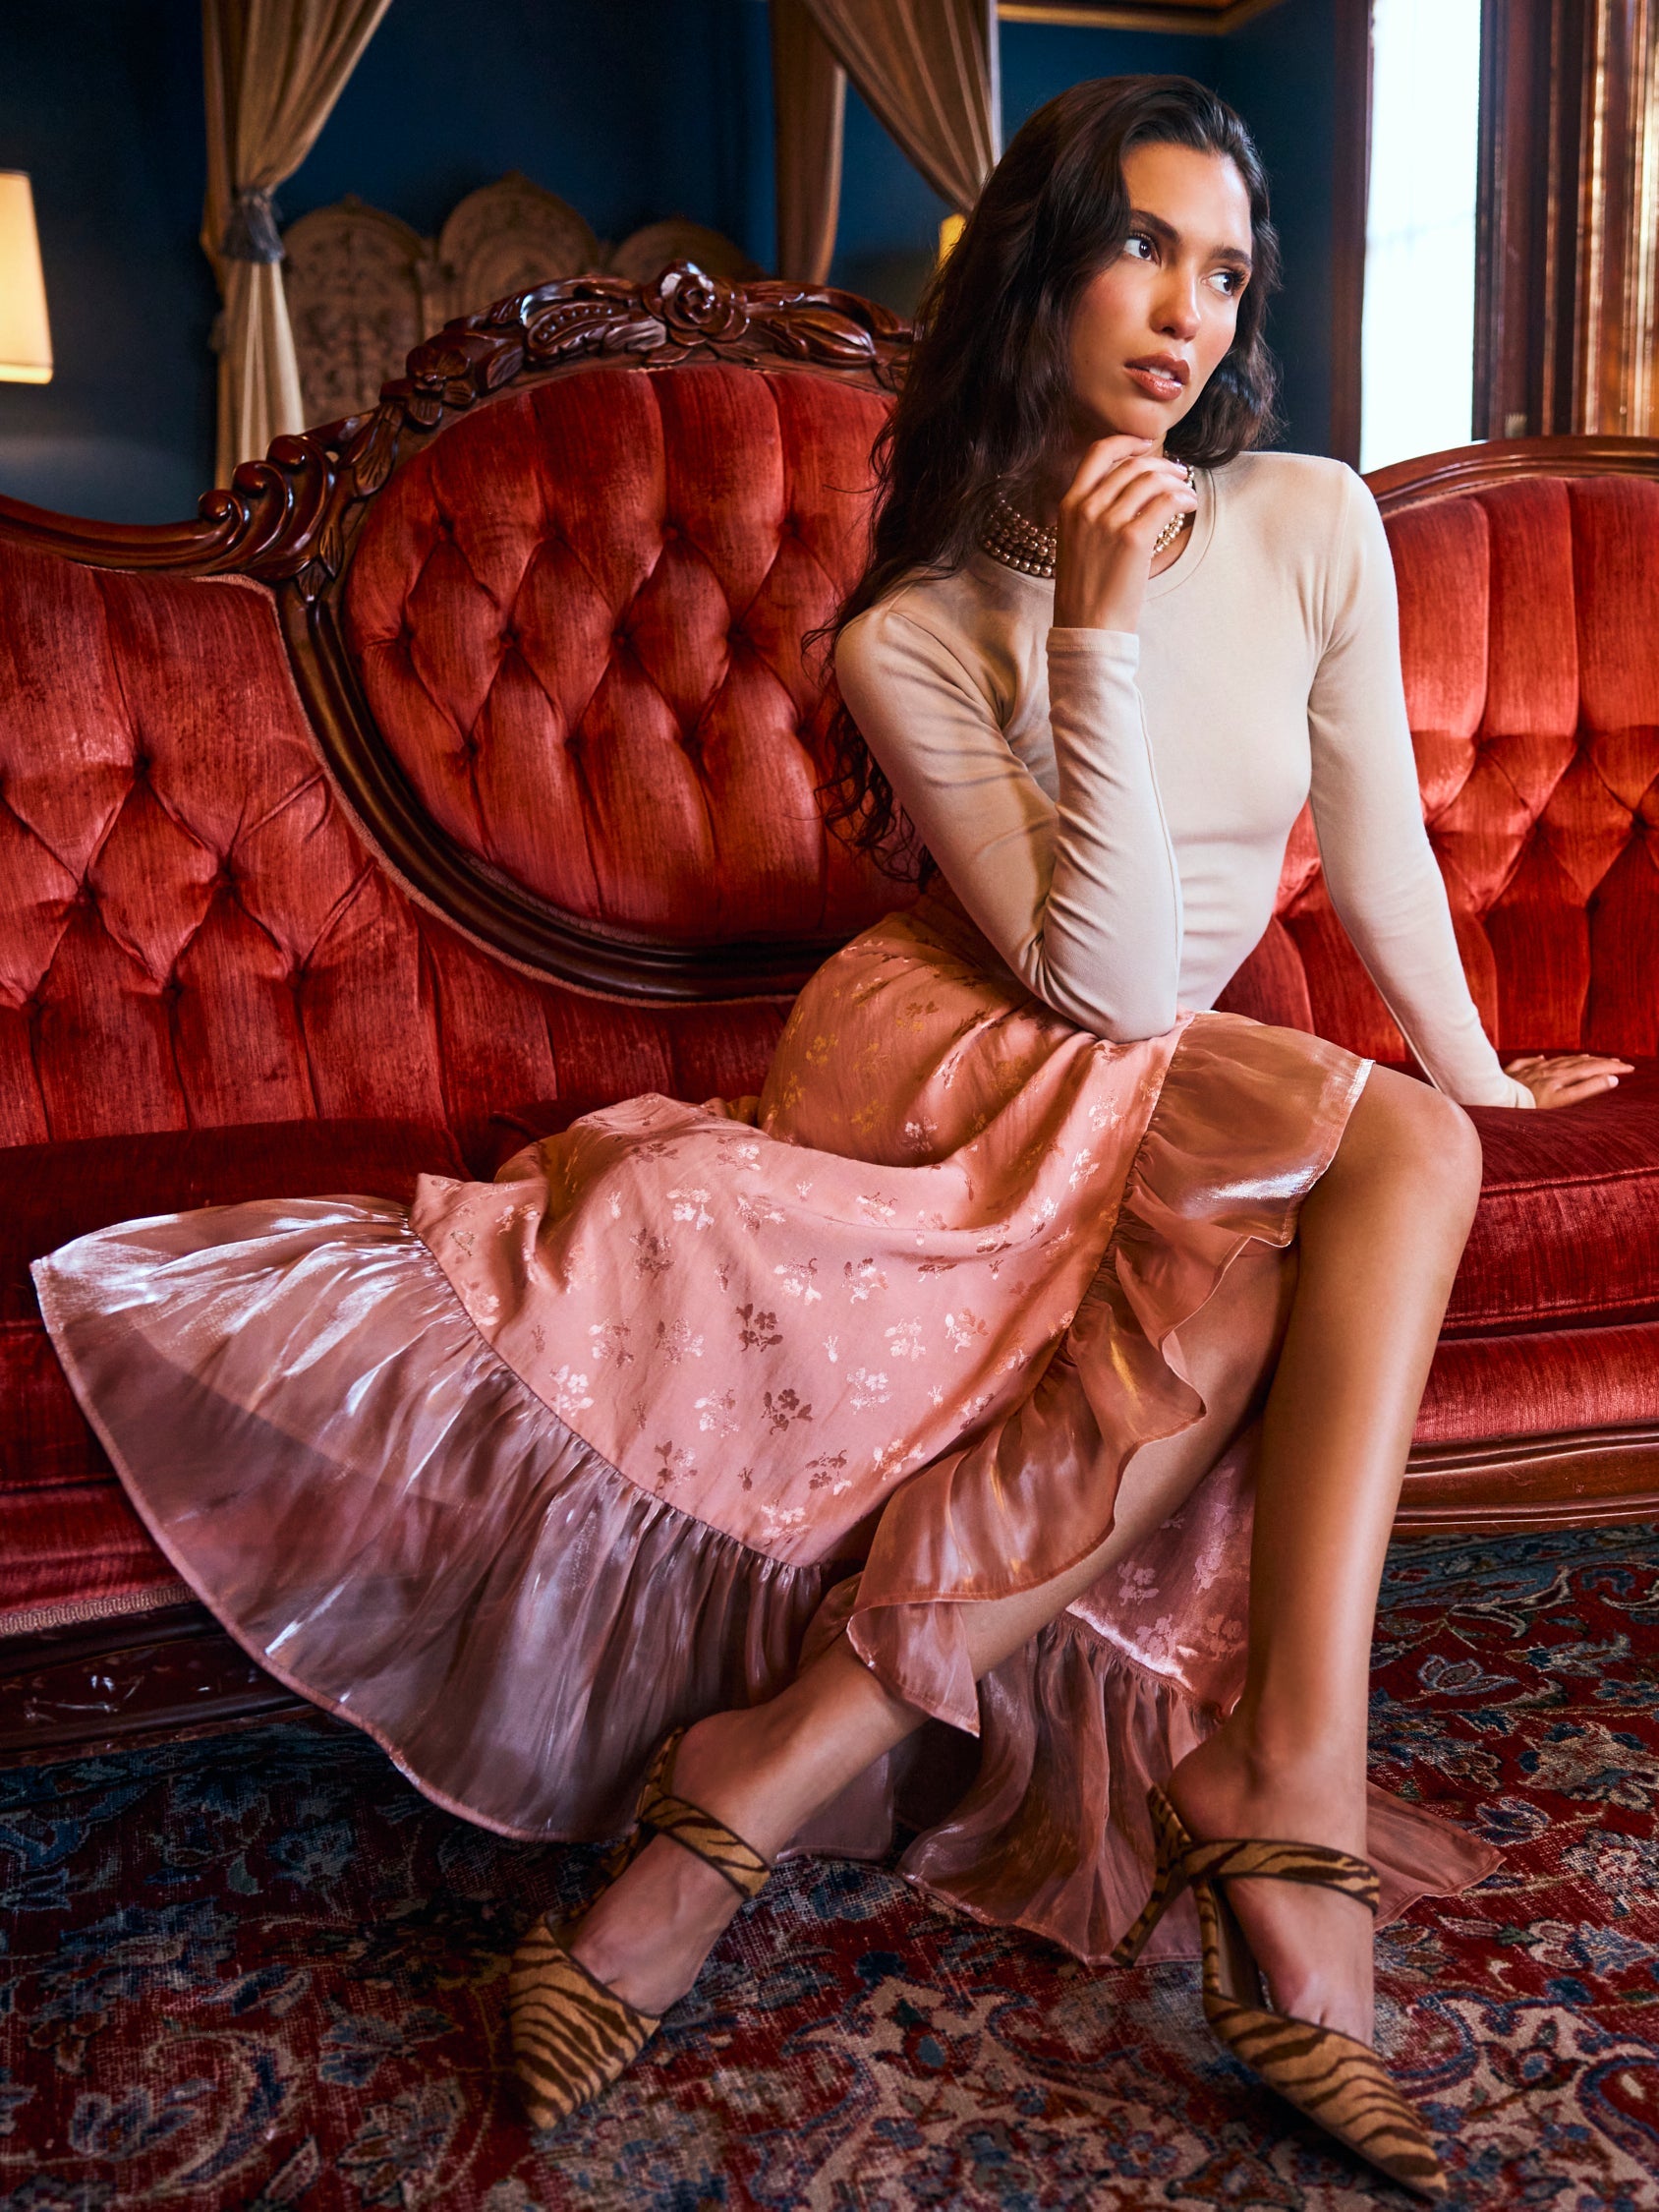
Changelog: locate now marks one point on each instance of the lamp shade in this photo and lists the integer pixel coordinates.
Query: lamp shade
(26, 337)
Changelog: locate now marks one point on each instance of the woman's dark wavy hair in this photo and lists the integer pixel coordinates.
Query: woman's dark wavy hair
(988, 384)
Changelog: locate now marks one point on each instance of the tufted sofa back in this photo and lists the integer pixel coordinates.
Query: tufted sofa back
(578, 619)
(1529, 636)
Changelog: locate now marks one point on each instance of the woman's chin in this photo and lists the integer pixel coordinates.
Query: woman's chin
(1136, 416)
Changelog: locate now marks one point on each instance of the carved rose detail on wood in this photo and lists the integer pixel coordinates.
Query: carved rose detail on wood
(683, 311)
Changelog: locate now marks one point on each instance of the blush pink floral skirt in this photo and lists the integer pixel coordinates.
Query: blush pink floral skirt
(519, 1477)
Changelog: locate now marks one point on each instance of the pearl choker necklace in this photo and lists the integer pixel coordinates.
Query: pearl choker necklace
(1017, 541)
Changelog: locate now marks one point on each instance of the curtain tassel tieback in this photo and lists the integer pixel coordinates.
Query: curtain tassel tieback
(250, 234)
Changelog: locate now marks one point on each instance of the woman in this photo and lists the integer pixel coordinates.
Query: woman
(959, 1353)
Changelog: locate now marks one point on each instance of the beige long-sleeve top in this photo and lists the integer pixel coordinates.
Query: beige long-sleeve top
(1112, 809)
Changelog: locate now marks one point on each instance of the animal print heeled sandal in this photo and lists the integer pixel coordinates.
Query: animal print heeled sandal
(572, 2036)
(1338, 2082)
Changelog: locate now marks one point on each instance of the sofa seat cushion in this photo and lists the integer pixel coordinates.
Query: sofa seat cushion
(70, 1547)
(1540, 1382)
(1567, 1231)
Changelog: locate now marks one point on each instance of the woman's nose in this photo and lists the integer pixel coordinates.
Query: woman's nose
(1178, 309)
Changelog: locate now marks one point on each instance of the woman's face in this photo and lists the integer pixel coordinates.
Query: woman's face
(1152, 325)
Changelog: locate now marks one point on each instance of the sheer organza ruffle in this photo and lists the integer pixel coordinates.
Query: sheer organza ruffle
(386, 1517)
(1247, 1120)
(1054, 1835)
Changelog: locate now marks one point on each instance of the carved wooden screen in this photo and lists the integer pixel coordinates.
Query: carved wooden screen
(364, 288)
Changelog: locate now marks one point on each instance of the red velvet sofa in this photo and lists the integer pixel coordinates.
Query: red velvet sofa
(454, 772)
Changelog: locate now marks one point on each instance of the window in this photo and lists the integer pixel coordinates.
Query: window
(1418, 387)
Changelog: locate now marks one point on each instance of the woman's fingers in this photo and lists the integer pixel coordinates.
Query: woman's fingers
(1147, 497)
(1132, 495)
(1126, 493)
(1121, 496)
(1567, 1064)
(1098, 463)
(1135, 468)
(1565, 1093)
(1566, 1079)
(1110, 465)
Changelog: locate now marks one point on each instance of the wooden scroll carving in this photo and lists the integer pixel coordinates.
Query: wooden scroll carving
(363, 289)
(285, 520)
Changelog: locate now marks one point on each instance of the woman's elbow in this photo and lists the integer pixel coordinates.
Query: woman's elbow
(1118, 1017)
(1137, 1025)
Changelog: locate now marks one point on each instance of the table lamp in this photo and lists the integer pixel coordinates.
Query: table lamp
(26, 337)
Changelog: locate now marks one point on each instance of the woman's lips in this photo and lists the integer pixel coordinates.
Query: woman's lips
(1157, 384)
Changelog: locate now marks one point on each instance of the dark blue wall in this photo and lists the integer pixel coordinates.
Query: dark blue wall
(1279, 72)
(100, 101)
(631, 111)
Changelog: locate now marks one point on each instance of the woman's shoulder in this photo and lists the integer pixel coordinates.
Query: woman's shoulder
(1305, 483)
(1303, 508)
(962, 614)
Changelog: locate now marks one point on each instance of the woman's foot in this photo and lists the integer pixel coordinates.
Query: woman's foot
(1313, 1946)
(647, 1936)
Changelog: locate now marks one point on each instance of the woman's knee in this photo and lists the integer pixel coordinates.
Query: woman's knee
(1418, 1139)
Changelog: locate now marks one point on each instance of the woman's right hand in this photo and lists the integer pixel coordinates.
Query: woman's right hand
(1566, 1078)
(1123, 494)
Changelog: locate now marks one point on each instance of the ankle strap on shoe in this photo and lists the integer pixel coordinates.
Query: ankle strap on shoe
(1251, 1859)
(699, 1832)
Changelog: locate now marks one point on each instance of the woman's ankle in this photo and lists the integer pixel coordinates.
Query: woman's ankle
(646, 1935)
(742, 1766)
(1270, 1783)
(778, 1763)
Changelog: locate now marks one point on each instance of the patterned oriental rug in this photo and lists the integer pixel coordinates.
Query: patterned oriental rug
(262, 1972)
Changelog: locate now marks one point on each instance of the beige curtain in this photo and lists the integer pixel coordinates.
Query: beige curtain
(809, 89)
(928, 68)
(274, 68)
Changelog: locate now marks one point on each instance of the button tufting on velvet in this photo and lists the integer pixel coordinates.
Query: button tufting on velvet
(656, 612)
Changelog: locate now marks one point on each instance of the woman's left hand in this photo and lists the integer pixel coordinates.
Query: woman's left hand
(1566, 1078)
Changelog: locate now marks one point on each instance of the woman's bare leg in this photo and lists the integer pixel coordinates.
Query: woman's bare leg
(1380, 1238)
(1379, 1241)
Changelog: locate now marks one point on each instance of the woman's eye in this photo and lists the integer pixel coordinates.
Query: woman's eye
(1139, 244)
(1229, 281)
